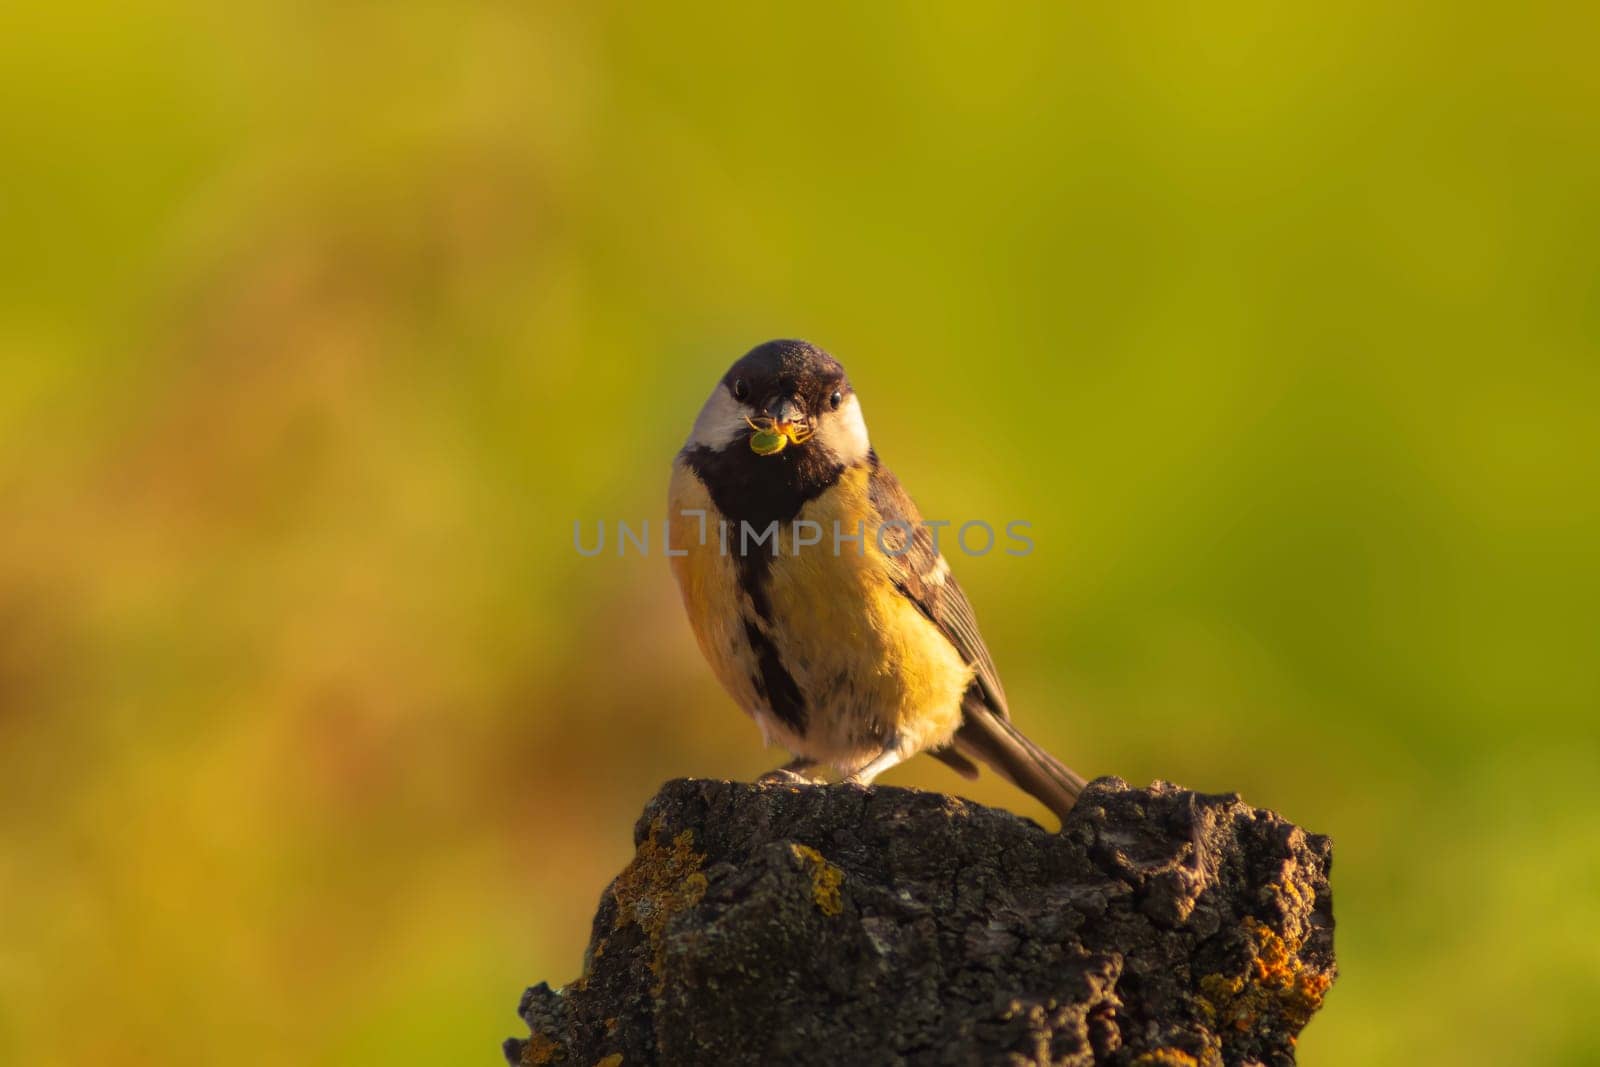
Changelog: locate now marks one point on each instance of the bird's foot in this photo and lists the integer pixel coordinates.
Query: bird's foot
(795, 772)
(894, 753)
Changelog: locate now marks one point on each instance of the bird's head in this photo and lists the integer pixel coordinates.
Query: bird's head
(781, 397)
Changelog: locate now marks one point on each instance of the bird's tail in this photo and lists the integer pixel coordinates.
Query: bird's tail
(988, 737)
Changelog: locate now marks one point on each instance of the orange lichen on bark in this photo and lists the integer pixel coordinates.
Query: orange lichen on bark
(539, 1050)
(1275, 991)
(660, 882)
(1166, 1057)
(825, 880)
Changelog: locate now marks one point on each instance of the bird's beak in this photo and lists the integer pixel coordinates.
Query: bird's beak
(786, 414)
(782, 422)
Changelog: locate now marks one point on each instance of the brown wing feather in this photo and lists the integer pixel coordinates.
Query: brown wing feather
(923, 577)
(986, 732)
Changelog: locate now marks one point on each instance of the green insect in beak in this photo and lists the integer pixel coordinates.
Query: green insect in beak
(772, 437)
(766, 442)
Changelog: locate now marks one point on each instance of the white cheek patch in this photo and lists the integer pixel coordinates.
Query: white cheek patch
(721, 421)
(844, 433)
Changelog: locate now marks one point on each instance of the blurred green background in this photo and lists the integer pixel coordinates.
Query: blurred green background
(322, 324)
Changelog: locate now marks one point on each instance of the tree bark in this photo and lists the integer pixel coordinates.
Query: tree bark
(784, 924)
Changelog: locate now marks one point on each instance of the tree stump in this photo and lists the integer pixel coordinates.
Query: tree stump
(831, 924)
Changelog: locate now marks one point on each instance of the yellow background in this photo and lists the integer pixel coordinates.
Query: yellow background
(321, 324)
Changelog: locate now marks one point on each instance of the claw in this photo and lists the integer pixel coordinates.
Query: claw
(791, 773)
(893, 754)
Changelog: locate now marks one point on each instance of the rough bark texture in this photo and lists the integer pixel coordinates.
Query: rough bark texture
(781, 924)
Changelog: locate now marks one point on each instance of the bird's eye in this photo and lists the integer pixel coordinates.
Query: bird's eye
(836, 399)
(741, 391)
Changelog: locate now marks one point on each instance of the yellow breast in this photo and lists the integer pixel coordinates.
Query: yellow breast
(868, 663)
(872, 663)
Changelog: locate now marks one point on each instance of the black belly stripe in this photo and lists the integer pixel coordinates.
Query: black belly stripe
(760, 490)
(753, 580)
(774, 683)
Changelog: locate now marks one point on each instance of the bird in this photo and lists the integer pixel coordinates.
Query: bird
(820, 598)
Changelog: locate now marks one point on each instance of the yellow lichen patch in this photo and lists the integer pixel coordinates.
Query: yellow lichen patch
(1276, 992)
(1166, 1057)
(659, 883)
(539, 1050)
(1290, 890)
(825, 880)
(613, 1060)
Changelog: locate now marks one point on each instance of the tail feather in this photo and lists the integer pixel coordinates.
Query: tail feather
(956, 762)
(986, 736)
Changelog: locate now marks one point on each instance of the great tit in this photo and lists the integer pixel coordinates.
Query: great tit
(819, 596)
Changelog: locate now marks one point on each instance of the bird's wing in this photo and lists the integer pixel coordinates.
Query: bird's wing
(923, 576)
